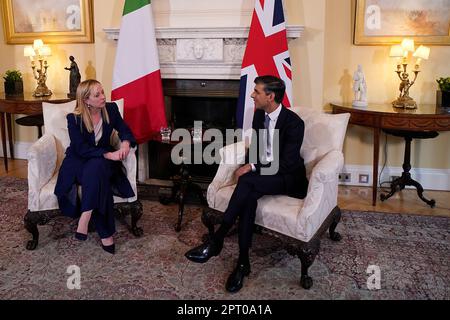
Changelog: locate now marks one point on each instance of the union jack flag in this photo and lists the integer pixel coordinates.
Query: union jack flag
(266, 54)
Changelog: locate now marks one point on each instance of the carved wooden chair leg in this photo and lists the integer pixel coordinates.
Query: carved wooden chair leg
(335, 236)
(31, 221)
(134, 209)
(136, 214)
(307, 255)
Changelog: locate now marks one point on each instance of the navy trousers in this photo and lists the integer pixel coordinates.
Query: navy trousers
(95, 181)
(244, 200)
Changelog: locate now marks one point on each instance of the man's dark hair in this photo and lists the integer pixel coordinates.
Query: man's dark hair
(272, 84)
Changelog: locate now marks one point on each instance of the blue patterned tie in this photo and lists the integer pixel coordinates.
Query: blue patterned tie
(266, 126)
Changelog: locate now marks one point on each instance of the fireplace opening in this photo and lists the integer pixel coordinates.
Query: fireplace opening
(213, 112)
(213, 102)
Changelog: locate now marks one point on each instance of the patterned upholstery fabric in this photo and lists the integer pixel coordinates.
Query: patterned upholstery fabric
(322, 152)
(45, 157)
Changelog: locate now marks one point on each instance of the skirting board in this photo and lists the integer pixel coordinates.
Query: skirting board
(430, 179)
(20, 149)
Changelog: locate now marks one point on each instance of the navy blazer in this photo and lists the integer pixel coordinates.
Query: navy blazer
(82, 148)
(291, 165)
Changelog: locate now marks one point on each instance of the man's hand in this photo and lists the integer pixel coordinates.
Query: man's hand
(243, 170)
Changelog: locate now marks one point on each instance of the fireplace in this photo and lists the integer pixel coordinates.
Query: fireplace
(187, 100)
(217, 58)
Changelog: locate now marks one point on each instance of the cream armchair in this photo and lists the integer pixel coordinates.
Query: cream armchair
(45, 157)
(300, 223)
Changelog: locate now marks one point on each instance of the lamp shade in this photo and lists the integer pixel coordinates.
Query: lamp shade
(45, 51)
(422, 52)
(28, 51)
(37, 44)
(408, 45)
(396, 51)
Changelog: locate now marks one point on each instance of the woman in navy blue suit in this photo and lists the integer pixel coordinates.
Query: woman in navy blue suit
(94, 164)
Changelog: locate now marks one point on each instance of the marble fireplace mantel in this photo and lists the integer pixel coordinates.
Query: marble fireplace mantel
(202, 52)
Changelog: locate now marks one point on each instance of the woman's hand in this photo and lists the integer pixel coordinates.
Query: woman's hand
(120, 154)
(124, 149)
(113, 156)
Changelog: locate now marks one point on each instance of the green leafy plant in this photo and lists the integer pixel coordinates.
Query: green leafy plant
(12, 76)
(444, 84)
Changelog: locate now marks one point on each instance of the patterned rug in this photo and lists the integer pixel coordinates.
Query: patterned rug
(412, 253)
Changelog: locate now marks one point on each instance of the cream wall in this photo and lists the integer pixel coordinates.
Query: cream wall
(11, 57)
(323, 61)
(341, 60)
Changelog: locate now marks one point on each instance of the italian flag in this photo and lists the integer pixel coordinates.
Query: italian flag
(137, 77)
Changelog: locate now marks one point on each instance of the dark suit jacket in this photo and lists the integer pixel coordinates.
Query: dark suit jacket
(291, 165)
(82, 148)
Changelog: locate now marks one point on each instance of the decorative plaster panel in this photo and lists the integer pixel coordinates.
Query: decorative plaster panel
(202, 53)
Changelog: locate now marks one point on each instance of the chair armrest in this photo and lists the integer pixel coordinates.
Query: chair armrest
(130, 164)
(42, 158)
(321, 197)
(231, 158)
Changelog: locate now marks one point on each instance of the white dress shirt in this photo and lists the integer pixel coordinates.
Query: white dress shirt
(273, 121)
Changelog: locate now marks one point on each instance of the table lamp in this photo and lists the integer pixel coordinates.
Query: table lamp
(401, 52)
(38, 51)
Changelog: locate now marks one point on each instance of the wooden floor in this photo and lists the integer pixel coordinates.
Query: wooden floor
(351, 198)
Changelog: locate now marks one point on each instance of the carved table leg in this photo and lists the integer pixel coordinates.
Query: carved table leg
(419, 188)
(181, 199)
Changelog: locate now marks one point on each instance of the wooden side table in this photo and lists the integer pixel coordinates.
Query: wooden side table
(24, 104)
(181, 178)
(425, 118)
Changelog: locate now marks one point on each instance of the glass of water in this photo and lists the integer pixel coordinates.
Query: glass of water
(165, 133)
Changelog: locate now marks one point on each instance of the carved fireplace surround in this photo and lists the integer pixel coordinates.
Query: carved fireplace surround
(203, 53)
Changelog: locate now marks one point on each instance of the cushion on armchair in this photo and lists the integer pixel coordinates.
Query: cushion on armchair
(43, 165)
(323, 132)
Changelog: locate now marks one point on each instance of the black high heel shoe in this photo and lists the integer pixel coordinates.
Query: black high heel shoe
(110, 249)
(81, 236)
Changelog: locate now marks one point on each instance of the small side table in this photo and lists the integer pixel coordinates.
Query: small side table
(182, 183)
(32, 121)
(25, 104)
(405, 179)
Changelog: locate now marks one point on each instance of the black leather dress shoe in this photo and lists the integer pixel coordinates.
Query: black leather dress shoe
(110, 249)
(203, 252)
(80, 236)
(236, 278)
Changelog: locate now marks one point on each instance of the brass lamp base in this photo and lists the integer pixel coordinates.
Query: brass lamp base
(405, 103)
(42, 91)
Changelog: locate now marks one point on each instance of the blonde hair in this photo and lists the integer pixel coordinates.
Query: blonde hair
(84, 90)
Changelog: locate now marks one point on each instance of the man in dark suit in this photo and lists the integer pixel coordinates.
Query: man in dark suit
(279, 169)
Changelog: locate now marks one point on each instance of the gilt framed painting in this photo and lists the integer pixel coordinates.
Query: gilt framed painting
(386, 22)
(53, 21)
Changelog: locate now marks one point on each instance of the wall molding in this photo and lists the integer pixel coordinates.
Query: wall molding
(430, 179)
(293, 32)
